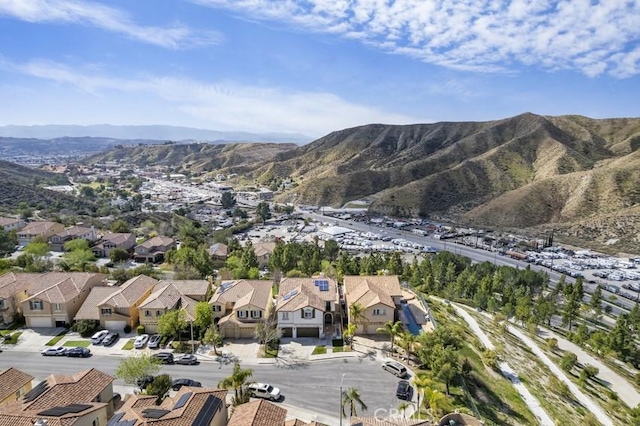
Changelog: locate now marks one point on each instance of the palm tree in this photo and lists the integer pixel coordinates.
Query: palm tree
(421, 383)
(349, 332)
(406, 340)
(238, 382)
(392, 329)
(403, 407)
(351, 398)
(356, 314)
(435, 400)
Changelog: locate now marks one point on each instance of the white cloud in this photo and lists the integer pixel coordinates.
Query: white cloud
(221, 105)
(591, 36)
(108, 18)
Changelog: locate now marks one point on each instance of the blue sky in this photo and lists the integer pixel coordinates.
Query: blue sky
(314, 66)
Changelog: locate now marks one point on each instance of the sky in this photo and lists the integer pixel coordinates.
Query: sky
(315, 66)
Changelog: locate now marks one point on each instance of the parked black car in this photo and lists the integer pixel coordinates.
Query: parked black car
(165, 357)
(110, 338)
(154, 341)
(78, 352)
(178, 383)
(143, 382)
(403, 391)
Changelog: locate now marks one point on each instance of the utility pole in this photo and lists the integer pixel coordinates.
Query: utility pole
(341, 381)
(192, 344)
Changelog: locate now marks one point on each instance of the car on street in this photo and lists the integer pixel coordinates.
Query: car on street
(54, 351)
(78, 352)
(154, 341)
(98, 337)
(165, 357)
(179, 383)
(396, 369)
(110, 338)
(141, 341)
(144, 381)
(188, 359)
(404, 390)
(264, 390)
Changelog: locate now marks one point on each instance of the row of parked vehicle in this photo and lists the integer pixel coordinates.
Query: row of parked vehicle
(70, 352)
(105, 338)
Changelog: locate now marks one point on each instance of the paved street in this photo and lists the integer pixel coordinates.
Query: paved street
(310, 385)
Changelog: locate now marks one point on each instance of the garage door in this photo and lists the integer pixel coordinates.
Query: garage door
(37, 322)
(247, 333)
(115, 325)
(287, 332)
(308, 332)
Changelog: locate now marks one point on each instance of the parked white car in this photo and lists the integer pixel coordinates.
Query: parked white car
(141, 341)
(98, 337)
(264, 390)
(54, 351)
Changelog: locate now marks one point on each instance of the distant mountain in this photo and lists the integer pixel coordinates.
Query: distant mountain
(155, 132)
(565, 172)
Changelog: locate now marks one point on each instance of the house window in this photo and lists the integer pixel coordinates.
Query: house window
(105, 311)
(308, 313)
(378, 312)
(1, 303)
(285, 316)
(147, 313)
(96, 422)
(158, 313)
(35, 305)
(327, 306)
(217, 308)
(256, 314)
(242, 314)
(57, 307)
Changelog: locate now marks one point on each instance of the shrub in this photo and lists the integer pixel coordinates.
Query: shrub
(127, 329)
(337, 342)
(86, 328)
(140, 329)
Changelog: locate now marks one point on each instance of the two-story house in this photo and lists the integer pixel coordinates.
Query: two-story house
(14, 384)
(118, 305)
(75, 232)
(306, 307)
(171, 295)
(378, 296)
(218, 251)
(54, 298)
(33, 230)
(11, 223)
(153, 250)
(263, 252)
(84, 399)
(125, 241)
(190, 406)
(13, 290)
(238, 307)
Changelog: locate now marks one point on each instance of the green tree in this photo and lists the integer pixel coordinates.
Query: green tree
(132, 368)
(213, 337)
(351, 398)
(8, 242)
(331, 250)
(76, 244)
(568, 361)
(37, 249)
(85, 327)
(118, 255)
(435, 400)
(203, 317)
(356, 314)
(120, 226)
(421, 382)
(349, 333)
(263, 211)
(227, 200)
(78, 260)
(552, 344)
(392, 329)
(171, 323)
(596, 301)
(588, 372)
(160, 387)
(407, 340)
(238, 381)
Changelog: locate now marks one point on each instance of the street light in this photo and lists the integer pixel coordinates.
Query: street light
(341, 381)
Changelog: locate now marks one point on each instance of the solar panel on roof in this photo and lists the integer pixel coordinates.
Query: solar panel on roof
(115, 421)
(154, 413)
(209, 408)
(36, 392)
(63, 410)
(290, 294)
(183, 400)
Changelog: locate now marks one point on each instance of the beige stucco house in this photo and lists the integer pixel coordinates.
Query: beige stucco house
(56, 241)
(109, 242)
(11, 223)
(378, 295)
(14, 384)
(153, 250)
(13, 290)
(33, 230)
(238, 306)
(54, 298)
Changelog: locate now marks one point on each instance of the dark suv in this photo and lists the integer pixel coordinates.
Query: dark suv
(165, 357)
(403, 391)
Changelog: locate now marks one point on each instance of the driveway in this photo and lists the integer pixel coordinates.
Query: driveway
(34, 340)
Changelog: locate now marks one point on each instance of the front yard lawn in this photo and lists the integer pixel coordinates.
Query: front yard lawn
(129, 345)
(56, 339)
(77, 343)
(13, 338)
(319, 350)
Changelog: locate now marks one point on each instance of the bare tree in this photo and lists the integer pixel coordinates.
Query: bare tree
(267, 332)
